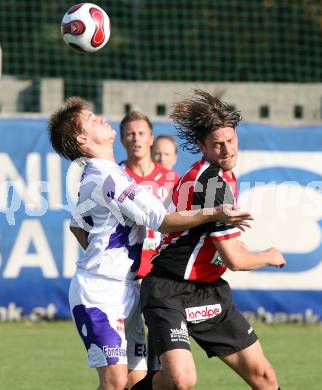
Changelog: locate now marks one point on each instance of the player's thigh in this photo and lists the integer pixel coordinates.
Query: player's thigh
(179, 363)
(170, 338)
(249, 361)
(135, 376)
(168, 329)
(161, 301)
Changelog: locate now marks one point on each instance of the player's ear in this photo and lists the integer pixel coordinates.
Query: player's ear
(81, 139)
(201, 146)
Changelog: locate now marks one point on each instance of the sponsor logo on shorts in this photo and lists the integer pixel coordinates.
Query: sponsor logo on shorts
(114, 352)
(202, 313)
(250, 330)
(180, 334)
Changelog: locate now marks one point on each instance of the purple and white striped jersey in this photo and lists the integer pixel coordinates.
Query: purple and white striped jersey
(114, 214)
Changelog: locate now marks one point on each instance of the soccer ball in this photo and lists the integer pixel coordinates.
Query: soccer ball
(86, 27)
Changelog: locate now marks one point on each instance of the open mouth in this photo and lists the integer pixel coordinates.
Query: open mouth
(136, 148)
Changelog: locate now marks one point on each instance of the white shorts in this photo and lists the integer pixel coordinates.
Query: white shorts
(108, 319)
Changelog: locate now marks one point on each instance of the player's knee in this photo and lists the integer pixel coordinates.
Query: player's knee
(113, 382)
(265, 377)
(184, 380)
(270, 376)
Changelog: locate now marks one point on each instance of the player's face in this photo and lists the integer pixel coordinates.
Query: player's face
(221, 148)
(137, 139)
(96, 128)
(164, 152)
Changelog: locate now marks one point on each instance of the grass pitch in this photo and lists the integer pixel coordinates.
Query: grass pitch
(51, 356)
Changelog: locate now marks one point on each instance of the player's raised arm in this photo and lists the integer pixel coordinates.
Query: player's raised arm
(145, 209)
(185, 220)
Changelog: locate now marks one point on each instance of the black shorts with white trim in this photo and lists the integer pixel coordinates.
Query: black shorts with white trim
(175, 310)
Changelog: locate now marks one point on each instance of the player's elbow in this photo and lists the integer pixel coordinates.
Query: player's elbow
(165, 228)
(163, 231)
(168, 225)
(234, 255)
(235, 268)
(233, 264)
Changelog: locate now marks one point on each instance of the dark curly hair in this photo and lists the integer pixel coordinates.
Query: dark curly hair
(198, 116)
(64, 126)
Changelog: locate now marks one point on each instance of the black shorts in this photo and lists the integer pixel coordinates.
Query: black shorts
(175, 310)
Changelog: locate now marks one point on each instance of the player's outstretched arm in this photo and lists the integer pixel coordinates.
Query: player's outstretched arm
(237, 257)
(184, 220)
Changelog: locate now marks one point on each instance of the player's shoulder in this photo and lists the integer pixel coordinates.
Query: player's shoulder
(95, 170)
(163, 174)
(105, 172)
(97, 165)
(200, 171)
(209, 170)
(158, 168)
(126, 171)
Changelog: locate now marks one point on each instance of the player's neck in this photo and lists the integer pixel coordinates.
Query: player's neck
(141, 167)
(103, 152)
(229, 173)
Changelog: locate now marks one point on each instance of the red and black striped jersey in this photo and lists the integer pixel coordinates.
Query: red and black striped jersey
(192, 254)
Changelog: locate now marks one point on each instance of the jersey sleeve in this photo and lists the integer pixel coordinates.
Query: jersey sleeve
(212, 190)
(121, 195)
(224, 232)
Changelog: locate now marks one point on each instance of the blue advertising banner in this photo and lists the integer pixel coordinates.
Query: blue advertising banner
(280, 180)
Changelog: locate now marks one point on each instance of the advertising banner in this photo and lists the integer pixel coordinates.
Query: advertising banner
(280, 182)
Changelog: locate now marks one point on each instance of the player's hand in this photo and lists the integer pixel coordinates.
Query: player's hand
(232, 215)
(277, 258)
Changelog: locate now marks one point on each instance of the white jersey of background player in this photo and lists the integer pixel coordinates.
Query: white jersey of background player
(110, 212)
